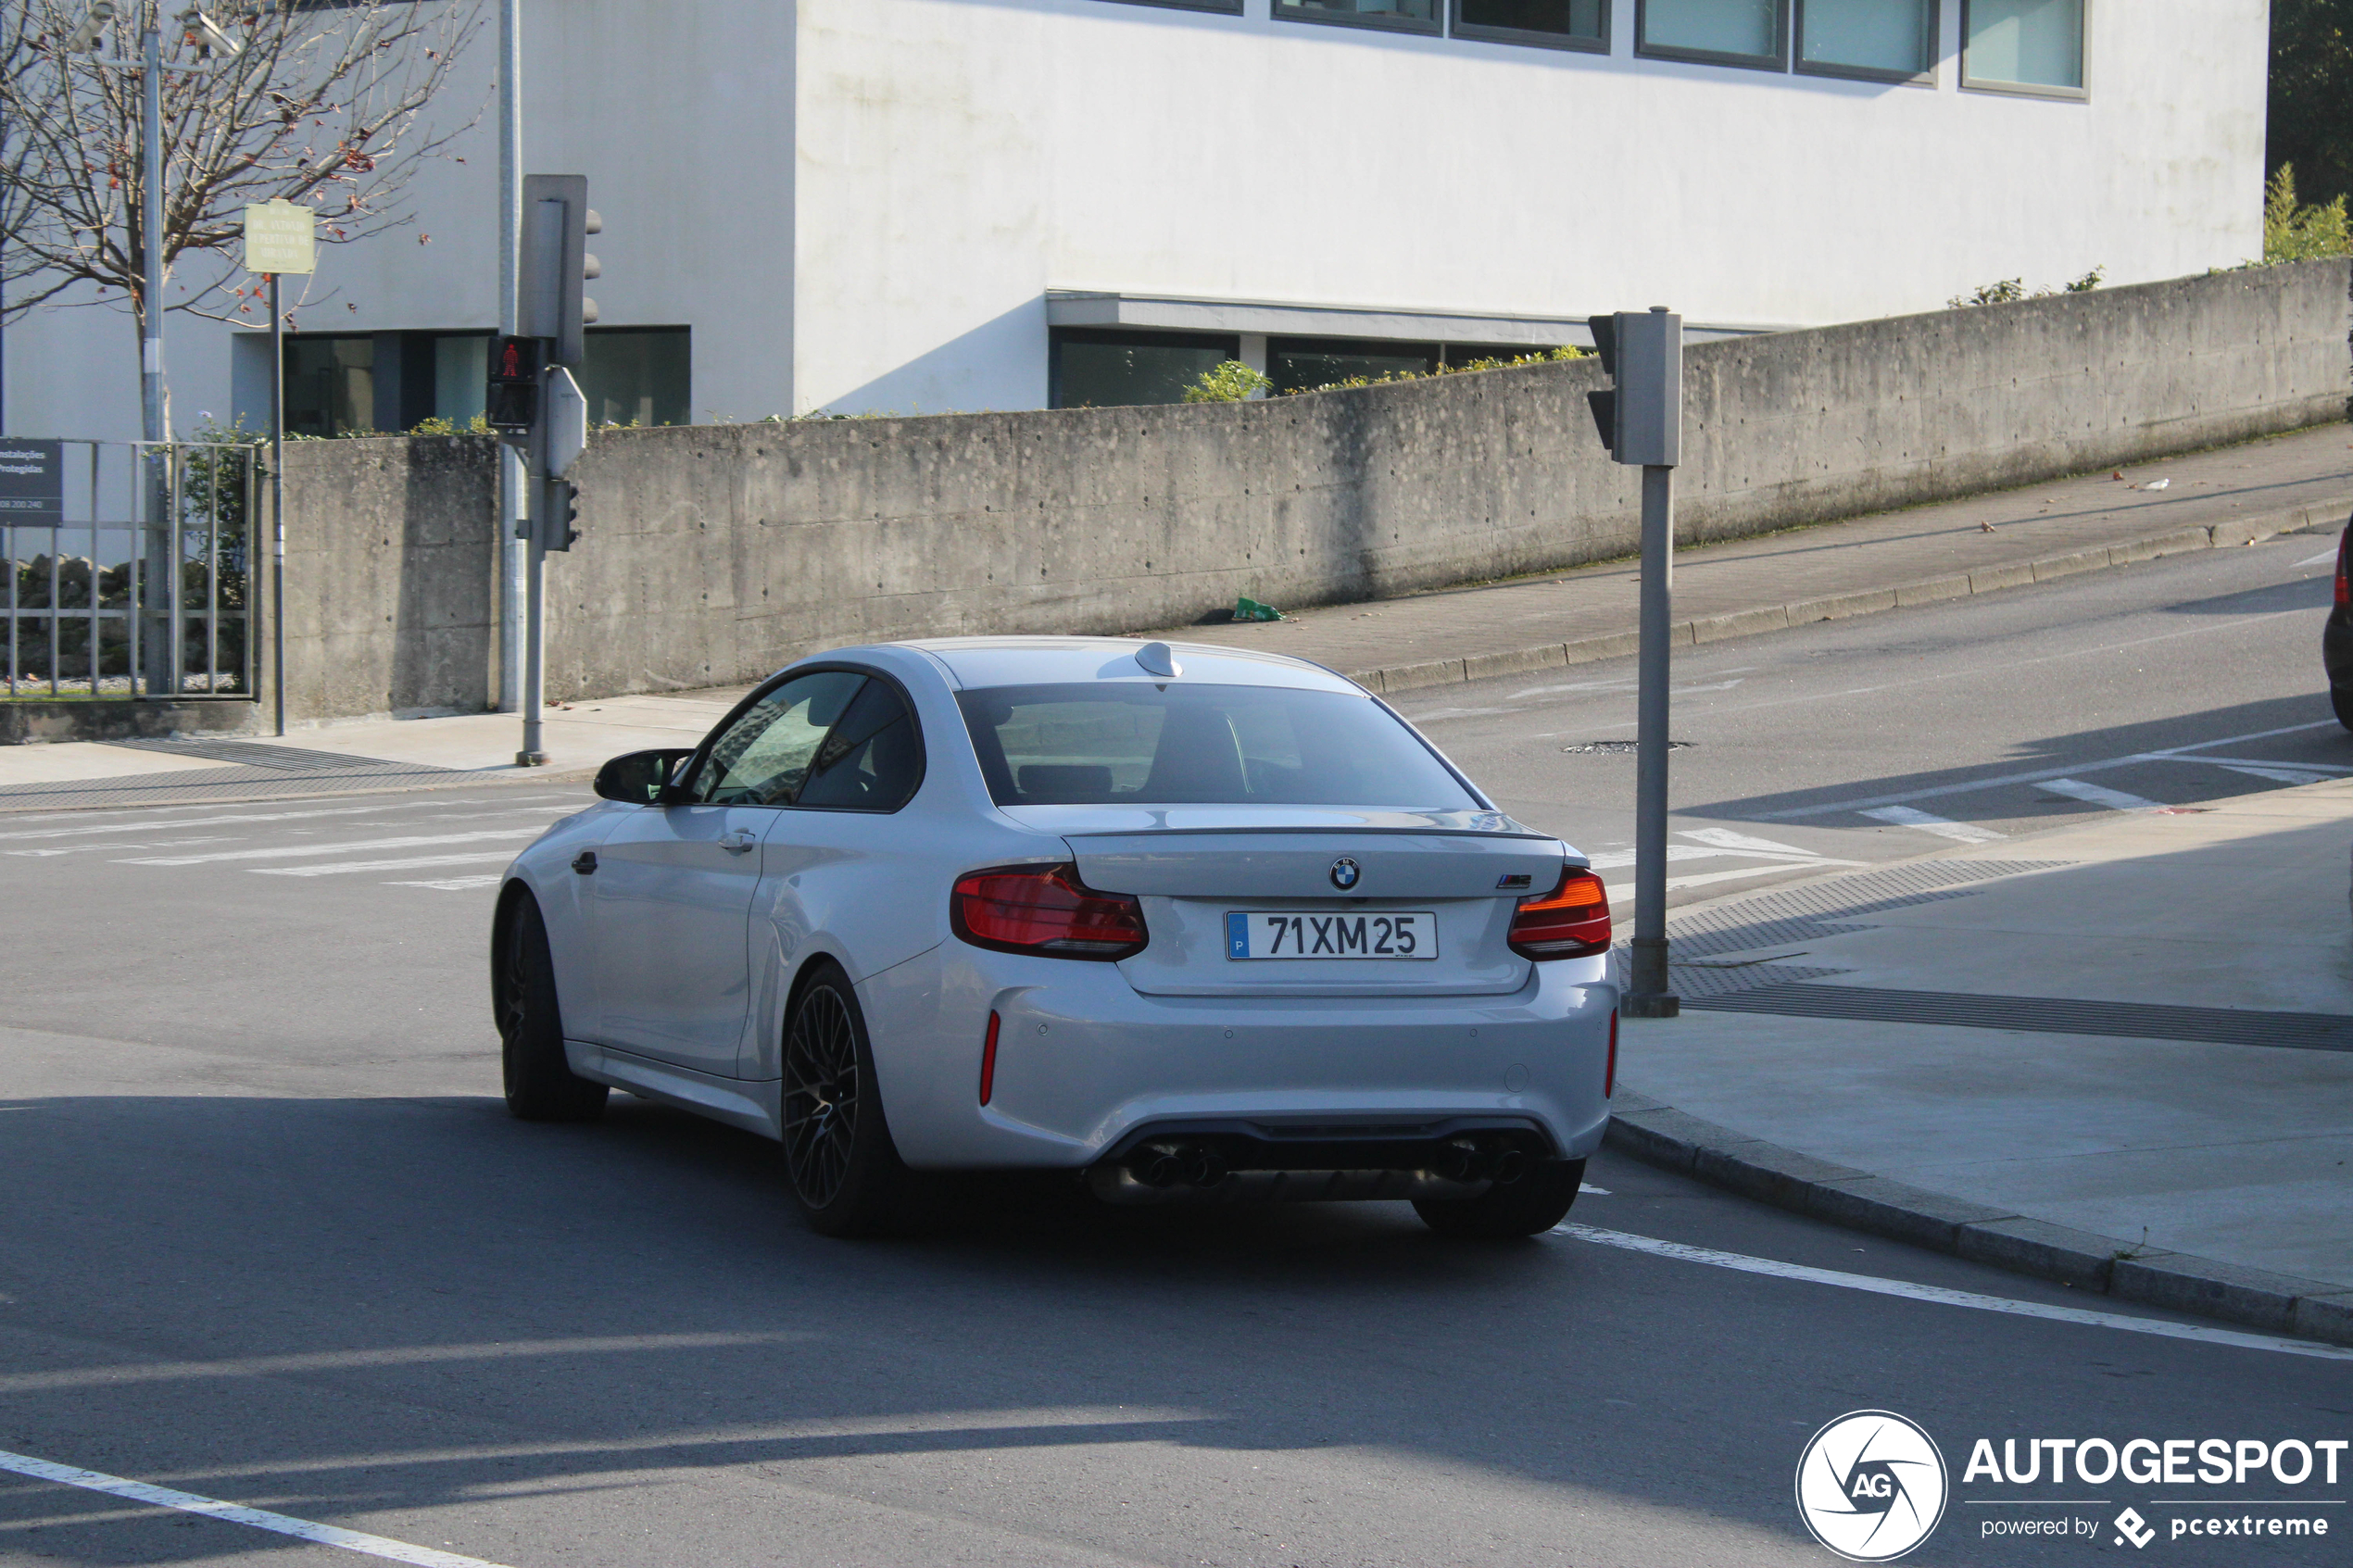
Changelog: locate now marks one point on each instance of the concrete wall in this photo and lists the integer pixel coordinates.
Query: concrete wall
(391, 600)
(716, 554)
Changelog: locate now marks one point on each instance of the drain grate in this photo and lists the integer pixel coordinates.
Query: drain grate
(2039, 1015)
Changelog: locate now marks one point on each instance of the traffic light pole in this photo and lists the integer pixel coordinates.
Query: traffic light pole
(278, 503)
(534, 654)
(1648, 995)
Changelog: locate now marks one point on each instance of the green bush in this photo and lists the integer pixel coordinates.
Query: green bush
(2293, 233)
(1232, 382)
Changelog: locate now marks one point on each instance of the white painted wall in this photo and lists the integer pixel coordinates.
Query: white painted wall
(859, 205)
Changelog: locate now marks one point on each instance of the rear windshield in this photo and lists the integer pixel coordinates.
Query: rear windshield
(1128, 743)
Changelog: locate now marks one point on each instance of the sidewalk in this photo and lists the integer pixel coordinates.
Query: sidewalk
(2229, 495)
(2119, 1055)
(350, 758)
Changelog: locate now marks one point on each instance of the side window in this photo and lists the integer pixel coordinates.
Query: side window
(875, 757)
(762, 758)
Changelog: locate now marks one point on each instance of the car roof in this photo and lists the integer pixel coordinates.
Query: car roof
(1024, 661)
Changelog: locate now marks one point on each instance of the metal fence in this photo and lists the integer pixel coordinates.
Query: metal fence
(147, 588)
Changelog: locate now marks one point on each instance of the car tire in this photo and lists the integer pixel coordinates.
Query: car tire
(2341, 703)
(1533, 1204)
(541, 1085)
(840, 1163)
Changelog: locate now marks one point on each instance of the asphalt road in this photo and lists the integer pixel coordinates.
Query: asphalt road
(270, 1239)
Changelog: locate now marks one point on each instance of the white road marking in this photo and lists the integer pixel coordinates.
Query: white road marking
(1673, 883)
(2324, 558)
(286, 851)
(110, 849)
(233, 1514)
(345, 867)
(1741, 843)
(1775, 1269)
(1588, 1187)
(1910, 816)
(2098, 795)
(2277, 776)
(456, 884)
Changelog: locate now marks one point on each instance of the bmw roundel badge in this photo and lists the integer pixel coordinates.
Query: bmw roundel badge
(1344, 873)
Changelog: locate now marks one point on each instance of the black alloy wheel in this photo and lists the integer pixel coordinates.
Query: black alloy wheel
(845, 1173)
(541, 1085)
(1535, 1202)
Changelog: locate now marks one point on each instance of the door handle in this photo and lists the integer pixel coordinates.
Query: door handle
(585, 862)
(739, 841)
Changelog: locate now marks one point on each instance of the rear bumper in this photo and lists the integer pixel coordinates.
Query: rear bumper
(1086, 1066)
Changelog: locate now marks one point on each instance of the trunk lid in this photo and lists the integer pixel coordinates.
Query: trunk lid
(1199, 866)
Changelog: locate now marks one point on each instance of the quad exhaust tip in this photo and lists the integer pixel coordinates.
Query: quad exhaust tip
(1179, 1169)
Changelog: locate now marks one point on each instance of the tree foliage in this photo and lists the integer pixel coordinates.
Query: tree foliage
(322, 105)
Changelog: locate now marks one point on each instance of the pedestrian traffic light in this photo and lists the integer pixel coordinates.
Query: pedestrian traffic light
(512, 408)
(552, 302)
(1640, 418)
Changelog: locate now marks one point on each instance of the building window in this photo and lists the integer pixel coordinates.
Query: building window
(1406, 16)
(1103, 367)
(1727, 32)
(330, 385)
(1876, 39)
(2023, 45)
(1229, 7)
(638, 376)
(1559, 24)
(1302, 364)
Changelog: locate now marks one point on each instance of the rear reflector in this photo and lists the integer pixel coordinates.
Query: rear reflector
(1571, 922)
(1609, 1073)
(2344, 591)
(988, 1055)
(1046, 910)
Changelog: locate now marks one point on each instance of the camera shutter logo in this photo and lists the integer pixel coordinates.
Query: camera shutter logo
(1871, 1486)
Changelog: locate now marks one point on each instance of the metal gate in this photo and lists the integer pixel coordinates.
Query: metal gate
(147, 588)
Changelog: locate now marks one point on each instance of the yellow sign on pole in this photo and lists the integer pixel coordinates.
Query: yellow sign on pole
(281, 238)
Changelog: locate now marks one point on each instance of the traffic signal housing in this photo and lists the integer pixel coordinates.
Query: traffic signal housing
(552, 300)
(1640, 418)
(513, 409)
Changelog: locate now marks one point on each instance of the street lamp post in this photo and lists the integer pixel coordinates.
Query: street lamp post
(151, 225)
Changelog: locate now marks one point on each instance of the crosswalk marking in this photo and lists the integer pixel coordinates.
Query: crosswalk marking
(290, 851)
(1911, 817)
(110, 849)
(2277, 776)
(2098, 795)
(345, 868)
(455, 884)
(87, 830)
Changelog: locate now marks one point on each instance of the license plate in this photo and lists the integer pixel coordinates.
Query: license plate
(1253, 934)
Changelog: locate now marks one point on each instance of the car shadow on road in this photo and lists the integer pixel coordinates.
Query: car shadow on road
(2291, 731)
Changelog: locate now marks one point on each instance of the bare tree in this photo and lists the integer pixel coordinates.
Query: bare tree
(322, 105)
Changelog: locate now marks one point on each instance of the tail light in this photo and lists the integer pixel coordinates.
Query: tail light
(1571, 922)
(2344, 594)
(1046, 910)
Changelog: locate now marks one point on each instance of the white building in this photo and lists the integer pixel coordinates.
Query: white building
(920, 205)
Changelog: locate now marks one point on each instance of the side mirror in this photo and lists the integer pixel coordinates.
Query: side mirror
(639, 778)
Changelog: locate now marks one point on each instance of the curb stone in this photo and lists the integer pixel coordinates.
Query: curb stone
(2313, 517)
(1675, 1140)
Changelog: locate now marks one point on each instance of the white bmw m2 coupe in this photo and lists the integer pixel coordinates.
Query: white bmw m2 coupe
(1193, 924)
